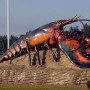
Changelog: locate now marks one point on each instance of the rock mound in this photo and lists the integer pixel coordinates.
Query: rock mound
(62, 72)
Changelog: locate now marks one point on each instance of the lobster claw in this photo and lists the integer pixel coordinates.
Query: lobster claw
(88, 50)
(74, 50)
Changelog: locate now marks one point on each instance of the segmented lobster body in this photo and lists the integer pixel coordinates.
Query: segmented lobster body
(34, 38)
(49, 36)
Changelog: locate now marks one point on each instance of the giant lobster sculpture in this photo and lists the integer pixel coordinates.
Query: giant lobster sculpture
(76, 44)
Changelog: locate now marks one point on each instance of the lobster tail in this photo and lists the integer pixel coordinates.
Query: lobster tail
(74, 50)
(2, 59)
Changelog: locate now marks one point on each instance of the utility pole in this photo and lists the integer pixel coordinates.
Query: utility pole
(8, 24)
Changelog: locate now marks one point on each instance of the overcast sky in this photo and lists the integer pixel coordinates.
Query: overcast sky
(28, 15)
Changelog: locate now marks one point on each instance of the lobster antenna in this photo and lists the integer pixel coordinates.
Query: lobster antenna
(84, 19)
(64, 28)
(80, 22)
(78, 17)
(74, 16)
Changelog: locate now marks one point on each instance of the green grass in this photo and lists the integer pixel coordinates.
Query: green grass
(0, 56)
(38, 88)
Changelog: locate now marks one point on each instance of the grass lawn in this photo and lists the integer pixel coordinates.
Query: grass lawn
(38, 88)
(0, 56)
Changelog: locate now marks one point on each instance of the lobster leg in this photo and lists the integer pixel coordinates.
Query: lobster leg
(15, 57)
(20, 51)
(37, 54)
(28, 50)
(47, 45)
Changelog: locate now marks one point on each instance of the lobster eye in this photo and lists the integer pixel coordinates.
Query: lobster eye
(57, 25)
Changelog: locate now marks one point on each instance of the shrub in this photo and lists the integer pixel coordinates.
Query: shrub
(88, 84)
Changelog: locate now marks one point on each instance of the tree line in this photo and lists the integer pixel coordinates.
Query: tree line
(3, 42)
(3, 39)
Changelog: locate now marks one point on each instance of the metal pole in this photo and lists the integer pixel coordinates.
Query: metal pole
(7, 24)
